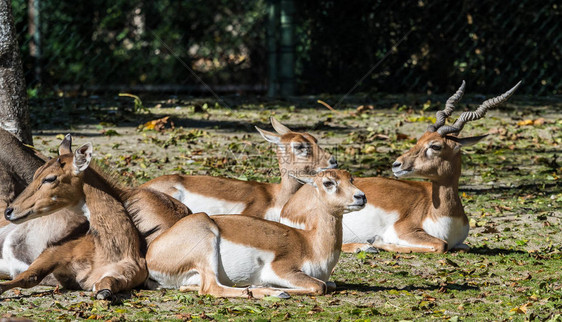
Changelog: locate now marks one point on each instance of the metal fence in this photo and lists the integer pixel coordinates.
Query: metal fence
(368, 46)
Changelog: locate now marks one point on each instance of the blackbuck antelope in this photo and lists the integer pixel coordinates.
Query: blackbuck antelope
(219, 255)
(410, 216)
(22, 244)
(297, 153)
(108, 258)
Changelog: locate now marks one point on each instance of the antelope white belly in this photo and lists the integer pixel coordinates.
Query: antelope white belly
(211, 206)
(237, 265)
(273, 214)
(242, 265)
(451, 229)
(369, 223)
(290, 223)
(164, 280)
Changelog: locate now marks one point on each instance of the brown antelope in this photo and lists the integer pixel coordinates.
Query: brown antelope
(221, 254)
(412, 216)
(108, 258)
(22, 244)
(296, 152)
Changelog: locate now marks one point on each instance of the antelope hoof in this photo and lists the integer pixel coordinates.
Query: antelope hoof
(461, 248)
(247, 292)
(104, 294)
(330, 287)
(367, 249)
(284, 295)
(371, 249)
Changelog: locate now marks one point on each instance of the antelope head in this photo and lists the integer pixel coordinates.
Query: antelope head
(336, 190)
(56, 185)
(298, 152)
(436, 155)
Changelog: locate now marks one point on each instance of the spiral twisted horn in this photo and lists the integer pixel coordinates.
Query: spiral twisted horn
(479, 113)
(441, 116)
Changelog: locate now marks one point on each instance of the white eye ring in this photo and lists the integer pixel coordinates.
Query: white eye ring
(435, 147)
(300, 149)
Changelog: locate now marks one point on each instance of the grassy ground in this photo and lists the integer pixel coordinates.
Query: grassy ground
(510, 187)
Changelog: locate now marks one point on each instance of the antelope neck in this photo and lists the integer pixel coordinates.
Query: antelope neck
(107, 213)
(445, 198)
(287, 188)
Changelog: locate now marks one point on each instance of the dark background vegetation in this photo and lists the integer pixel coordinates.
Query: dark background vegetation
(106, 44)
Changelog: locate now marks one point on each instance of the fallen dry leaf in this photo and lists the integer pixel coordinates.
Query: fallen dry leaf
(381, 136)
(536, 122)
(402, 136)
(364, 108)
(522, 278)
(525, 122)
(521, 309)
(156, 125)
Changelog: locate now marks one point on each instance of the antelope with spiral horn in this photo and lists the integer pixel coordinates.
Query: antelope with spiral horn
(414, 216)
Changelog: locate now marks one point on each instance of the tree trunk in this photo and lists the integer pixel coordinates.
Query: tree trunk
(272, 48)
(14, 113)
(34, 31)
(287, 48)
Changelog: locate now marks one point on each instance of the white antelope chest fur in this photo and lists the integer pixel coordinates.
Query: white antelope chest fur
(453, 230)
(321, 269)
(10, 264)
(23, 243)
(210, 205)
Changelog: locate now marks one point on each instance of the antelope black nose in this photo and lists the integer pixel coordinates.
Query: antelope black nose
(8, 213)
(333, 162)
(360, 197)
(396, 164)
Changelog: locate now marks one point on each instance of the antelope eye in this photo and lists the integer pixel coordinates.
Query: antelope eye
(49, 179)
(301, 148)
(435, 147)
(329, 184)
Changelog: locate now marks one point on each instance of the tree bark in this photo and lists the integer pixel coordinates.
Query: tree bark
(14, 113)
(287, 49)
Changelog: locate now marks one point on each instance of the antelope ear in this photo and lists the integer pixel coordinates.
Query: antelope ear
(82, 158)
(270, 136)
(65, 146)
(304, 179)
(278, 126)
(467, 141)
